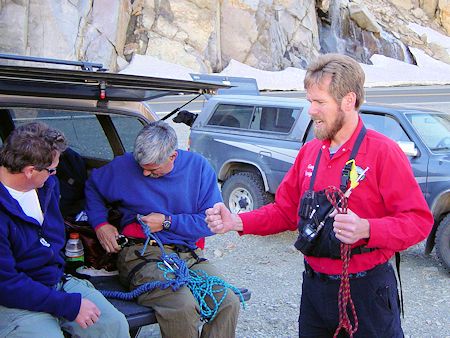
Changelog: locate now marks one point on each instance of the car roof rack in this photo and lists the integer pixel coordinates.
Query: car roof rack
(95, 85)
(84, 65)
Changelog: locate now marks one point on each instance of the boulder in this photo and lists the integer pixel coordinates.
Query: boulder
(429, 7)
(363, 18)
(403, 4)
(444, 14)
(51, 29)
(14, 36)
(105, 31)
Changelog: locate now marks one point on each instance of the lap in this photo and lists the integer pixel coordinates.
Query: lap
(111, 321)
(150, 272)
(23, 323)
(88, 291)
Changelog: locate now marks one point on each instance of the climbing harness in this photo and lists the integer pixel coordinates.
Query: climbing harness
(316, 237)
(177, 274)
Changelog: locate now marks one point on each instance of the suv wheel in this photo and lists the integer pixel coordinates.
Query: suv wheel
(443, 242)
(245, 192)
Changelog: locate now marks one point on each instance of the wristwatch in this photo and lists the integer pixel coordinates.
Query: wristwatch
(167, 222)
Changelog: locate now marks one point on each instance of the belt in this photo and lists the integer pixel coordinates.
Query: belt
(136, 241)
(131, 241)
(311, 273)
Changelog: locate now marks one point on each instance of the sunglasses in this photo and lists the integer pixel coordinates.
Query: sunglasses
(50, 171)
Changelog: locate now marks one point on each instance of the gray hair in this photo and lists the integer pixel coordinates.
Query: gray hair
(155, 143)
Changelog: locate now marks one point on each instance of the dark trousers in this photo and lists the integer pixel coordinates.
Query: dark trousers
(375, 298)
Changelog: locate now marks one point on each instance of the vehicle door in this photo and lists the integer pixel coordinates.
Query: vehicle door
(397, 128)
(433, 130)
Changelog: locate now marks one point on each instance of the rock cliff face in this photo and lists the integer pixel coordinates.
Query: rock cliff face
(205, 35)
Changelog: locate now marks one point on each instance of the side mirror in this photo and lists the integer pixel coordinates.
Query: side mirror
(409, 148)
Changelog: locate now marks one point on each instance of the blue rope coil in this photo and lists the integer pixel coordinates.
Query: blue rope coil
(203, 288)
(177, 274)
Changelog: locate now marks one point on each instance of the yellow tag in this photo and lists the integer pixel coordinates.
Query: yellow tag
(353, 175)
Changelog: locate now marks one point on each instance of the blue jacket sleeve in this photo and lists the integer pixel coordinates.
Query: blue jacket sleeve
(96, 208)
(17, 290)
(193, 226)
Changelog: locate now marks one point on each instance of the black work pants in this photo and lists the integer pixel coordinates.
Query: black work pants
(375, 297)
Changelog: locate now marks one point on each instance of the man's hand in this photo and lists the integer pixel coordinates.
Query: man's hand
(220, 220)
(154, 221)
(88, 314)
(350, 228)
(107, 235)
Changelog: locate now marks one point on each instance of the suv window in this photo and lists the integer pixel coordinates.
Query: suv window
(255, 118)
(229, 115)
(386, 125)
(275, 119)
(434, 129)
(127, 127)
(383, 124)
(82, 129)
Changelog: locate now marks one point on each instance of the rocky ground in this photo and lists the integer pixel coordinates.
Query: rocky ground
(271, 268)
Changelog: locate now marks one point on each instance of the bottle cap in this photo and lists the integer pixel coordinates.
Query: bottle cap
(74, 235)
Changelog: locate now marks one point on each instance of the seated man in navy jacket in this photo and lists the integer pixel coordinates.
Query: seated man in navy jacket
(36, 298)
(172, 188)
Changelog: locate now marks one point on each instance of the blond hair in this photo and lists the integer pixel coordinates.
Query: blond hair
(346, 76)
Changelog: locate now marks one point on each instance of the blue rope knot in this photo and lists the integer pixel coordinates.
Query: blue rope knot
(204, 287)
(177, 274)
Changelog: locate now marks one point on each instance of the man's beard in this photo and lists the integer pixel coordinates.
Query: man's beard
(328, 133)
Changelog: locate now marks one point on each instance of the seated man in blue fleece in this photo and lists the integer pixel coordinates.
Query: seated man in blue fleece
(36, 298)
(172, 188)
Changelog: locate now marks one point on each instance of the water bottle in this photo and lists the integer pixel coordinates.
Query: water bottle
(74, 253)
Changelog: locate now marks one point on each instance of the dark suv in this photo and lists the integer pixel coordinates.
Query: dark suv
(252, 141)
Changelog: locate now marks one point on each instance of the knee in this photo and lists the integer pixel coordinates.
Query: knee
(230, 303)
(114, 322)
(187, 310)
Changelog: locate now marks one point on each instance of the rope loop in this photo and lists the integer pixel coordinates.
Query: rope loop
(344, 296)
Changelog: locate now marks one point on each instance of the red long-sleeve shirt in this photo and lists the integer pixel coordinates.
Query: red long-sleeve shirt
(388, 197)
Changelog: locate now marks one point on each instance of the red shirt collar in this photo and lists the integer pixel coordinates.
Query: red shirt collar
(348, 146)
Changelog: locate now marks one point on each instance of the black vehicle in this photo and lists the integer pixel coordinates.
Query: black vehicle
(252, 141)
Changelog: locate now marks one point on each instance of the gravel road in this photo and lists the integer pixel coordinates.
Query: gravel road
(272, 268)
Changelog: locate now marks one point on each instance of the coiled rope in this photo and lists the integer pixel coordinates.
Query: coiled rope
(344, 296)
(177, 274)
